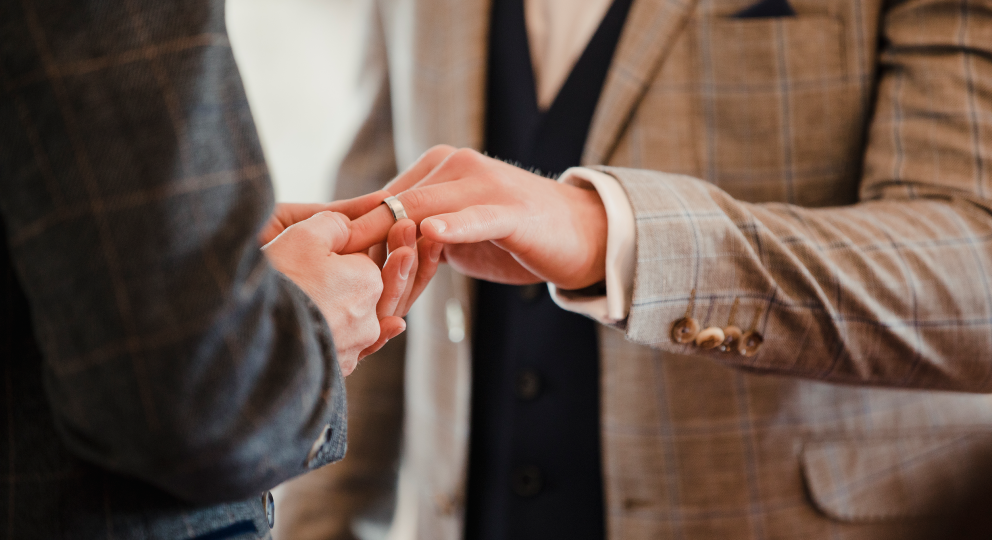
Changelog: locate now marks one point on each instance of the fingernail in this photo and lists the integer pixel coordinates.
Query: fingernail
(435, 253)
(438, 225)
(410, 237)
(405, 267)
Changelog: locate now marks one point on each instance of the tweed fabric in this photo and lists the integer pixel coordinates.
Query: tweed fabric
(830, 171)
(155, 366)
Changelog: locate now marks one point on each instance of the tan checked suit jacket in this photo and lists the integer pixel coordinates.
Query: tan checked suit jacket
(829, 172)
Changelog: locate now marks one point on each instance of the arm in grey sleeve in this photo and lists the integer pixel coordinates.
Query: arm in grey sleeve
(132, 186)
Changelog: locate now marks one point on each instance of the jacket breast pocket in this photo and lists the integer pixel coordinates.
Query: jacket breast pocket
(783, 114)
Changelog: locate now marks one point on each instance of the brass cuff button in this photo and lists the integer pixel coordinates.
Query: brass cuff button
(731, 338)
(749, 344)
(709, 338)
(684, 330)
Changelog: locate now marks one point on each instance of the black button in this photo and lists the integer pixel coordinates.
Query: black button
(530, 293)
(526, 481)
(528, 384)
(270, 509)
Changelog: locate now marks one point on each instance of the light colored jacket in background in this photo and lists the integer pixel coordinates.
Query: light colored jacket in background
(830, 172)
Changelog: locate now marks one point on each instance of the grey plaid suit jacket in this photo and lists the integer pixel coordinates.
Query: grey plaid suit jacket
(829, 172)
(155, 367)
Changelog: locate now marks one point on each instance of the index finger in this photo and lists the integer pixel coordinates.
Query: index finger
(359, 206)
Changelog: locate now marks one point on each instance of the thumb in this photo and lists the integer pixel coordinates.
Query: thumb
(327, 230)
(285, 215)
(335, 228)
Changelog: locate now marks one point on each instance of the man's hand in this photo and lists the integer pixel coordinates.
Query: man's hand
(360, 304)
(499, 222)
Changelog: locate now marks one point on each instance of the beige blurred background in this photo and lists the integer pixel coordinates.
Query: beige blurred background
(299, 61)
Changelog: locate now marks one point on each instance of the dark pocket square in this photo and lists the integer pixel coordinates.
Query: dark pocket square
(767, 8)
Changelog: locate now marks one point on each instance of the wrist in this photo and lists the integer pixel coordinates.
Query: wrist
(590, 224)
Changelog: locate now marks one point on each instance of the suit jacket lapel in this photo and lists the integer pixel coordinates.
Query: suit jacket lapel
(651, 28)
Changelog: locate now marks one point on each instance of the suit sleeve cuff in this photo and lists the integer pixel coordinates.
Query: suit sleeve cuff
(615, 304)
(332, 441)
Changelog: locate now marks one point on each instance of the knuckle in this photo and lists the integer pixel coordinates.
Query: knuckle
(303, 232)
(370, 273)
(439, 152)
(348, 364)
(499, 181)
(375, 288)
(464, 157)
(370, 332)
(416, 199)
(339, 219)
(336, 222)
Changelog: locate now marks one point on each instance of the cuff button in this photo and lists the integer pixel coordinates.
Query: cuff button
(684, 330)
(749, 344)
(270, 509)
(731, 339)
(709, 338)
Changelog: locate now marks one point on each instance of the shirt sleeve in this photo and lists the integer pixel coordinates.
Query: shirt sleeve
(613, 306)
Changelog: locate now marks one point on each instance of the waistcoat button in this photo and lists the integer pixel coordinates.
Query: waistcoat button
(528, 384)
(455, 318)
(530, 293)
(526, 481)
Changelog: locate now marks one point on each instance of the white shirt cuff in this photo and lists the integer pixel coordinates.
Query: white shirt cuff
(614, 306)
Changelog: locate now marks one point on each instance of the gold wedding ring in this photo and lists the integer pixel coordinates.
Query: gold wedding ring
(396, 207)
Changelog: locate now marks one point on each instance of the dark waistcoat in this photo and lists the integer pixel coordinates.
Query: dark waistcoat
(535, 462)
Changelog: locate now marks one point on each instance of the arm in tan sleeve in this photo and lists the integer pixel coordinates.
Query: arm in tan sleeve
(895, 290)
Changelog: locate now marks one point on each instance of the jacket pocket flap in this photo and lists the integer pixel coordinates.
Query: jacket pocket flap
(871, 480)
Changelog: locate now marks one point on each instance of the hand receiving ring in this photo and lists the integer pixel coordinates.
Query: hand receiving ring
(396, 207)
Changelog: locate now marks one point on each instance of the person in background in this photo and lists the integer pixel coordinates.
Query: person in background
(160, 371)
(776, 253)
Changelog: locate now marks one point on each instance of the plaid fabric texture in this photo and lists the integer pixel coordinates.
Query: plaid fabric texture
(830, 172)
(154, 365)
